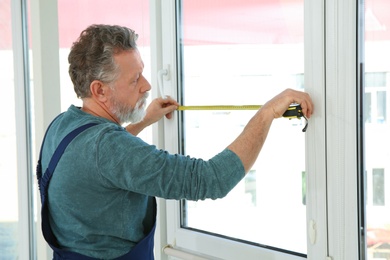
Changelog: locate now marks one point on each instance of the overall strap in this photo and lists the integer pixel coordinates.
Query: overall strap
(43, 180)
(39, 168)
(62, 146)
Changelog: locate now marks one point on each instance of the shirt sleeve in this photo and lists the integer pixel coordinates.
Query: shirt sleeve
(126, 162)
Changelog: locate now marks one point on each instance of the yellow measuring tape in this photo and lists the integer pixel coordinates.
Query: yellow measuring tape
(221, 107)
(294, 111)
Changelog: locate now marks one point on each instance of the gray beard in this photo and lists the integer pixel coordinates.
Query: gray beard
(133, 115)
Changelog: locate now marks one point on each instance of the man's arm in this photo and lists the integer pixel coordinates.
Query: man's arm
(248, 144)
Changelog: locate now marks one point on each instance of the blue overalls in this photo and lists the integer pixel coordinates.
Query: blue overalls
(143, 250)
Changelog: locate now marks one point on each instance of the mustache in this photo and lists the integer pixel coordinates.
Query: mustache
(142, 101)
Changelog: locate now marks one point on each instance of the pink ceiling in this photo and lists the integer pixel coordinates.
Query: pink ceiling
(205, 21)
(76, 15)
(238, 21)
(5, 24)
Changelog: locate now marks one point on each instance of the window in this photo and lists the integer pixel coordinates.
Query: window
(377, 142)
(9, 215)
(329, 194)
(375, 79)
(16, 215)
(378, 187)
(304, 189)
(242, 53)
(381, 106)
(375, 93)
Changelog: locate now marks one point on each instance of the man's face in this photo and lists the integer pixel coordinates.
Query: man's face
(128, 99)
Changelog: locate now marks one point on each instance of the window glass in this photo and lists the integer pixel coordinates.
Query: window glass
(378, 187)
(74, 16)
(243, 52)
(377, 128)
(9, 214)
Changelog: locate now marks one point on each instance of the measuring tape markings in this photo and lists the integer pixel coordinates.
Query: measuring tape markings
(294, 111)
(221, 107)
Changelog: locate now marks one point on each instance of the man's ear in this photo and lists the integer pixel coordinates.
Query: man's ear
(98, 90)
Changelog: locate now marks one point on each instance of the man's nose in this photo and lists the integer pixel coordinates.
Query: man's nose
(146, 85)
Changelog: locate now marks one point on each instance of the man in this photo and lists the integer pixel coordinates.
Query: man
(101, 197)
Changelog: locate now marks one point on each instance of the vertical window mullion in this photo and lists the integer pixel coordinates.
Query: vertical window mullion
(23, 131)
(47, 102)
(316, 215)
(342, 66)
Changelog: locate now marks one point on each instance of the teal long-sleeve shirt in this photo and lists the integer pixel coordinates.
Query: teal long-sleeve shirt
(101, 194)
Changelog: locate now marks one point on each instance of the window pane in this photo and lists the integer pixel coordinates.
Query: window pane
(74, 16)
(381, 106)
(378, 187)
(377, 129)
(375, 79)
(367, 107)
(243, 52)
(8, 167)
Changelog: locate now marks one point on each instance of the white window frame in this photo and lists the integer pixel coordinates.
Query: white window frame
(26, 229)
(331, 78)
(208, 245)
(342, 126)
(47, 94)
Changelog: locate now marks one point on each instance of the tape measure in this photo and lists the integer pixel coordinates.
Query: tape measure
(294, 110)
(220, 107)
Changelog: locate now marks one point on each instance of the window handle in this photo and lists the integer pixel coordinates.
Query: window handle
(160, 76)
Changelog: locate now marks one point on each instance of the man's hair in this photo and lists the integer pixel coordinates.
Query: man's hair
(92, 55)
